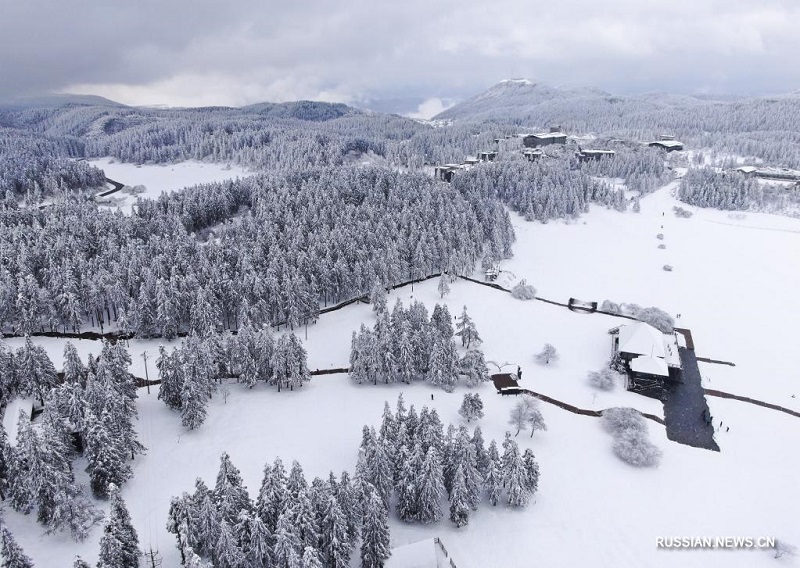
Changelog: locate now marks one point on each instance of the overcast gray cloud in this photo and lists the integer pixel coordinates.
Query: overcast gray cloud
(206, 52)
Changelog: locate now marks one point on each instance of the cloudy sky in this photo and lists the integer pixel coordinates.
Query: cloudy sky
(391, 54)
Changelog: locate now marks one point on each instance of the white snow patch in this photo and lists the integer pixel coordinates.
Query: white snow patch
(163, 177)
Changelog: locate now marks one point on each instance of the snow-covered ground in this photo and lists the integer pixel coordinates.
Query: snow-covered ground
(162, 177)
(734, 283)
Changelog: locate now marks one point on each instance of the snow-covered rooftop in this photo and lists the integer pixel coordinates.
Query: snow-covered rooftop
(650, 366)
(668, 143)
(415, 555)
(639, 338)
(549, 135)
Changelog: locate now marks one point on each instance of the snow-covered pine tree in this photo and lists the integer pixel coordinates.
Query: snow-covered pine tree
(444, 285)
(74, 369)
(514, 475)
(12, 554)
(431, 488)
(105, 453)
(466, 330)
(230, 495)
(442, 321)
(227, 553)
(404, 355)
(459, 502)
(171, 374)
(531, 471)
(272, 495)
(310, 558)
(375, 544)
(119, 545)
(443, 367)
(406, 483)
(304, 520)
(493, 477)
(287, 544)
(335, 544)
(471, 407)
(473, 366)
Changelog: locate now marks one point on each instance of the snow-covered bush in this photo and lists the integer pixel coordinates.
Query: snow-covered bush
(605, 379)
(667, 268)
(662, 246)
(619, 420)
(681, 212)
(660, 236)
(523, 291)
(634, 448)
(656, 317)
(631, 444)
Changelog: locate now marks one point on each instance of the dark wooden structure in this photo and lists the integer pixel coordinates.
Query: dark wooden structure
(506, 383)
(544, 138)
(489, 156)
(668, 145)
(446, 172)
(586, 155)
(532, 154)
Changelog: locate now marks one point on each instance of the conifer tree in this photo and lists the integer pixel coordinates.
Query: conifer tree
(431, 488)
(12, 554)
(375, 546)
(227, 553)
(119, 545)
(444, 285)
(335, 543)
(459, 502)
(310, 558)
(514, 475)
(465, 329)
(351, 505)
(230, 495)
(273, 495)
(493, 478)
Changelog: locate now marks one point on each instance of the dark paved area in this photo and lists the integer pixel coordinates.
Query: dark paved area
(685, 407)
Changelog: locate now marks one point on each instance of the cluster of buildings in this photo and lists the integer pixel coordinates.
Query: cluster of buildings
(776, 174)
(532, 145)
(650, 356)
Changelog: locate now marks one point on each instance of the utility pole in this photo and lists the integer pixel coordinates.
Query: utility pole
(146, 379)
(152, 558)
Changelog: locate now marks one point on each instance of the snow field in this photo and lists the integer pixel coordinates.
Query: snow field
(163, 177)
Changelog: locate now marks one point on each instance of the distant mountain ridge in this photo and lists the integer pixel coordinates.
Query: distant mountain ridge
(524, 100)
(57, 100)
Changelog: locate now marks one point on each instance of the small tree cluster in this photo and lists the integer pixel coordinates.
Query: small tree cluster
(407, 345)
(527, 413)
(413, 462)
(291, 523)
(95, 405)
(188, 373)
(631, 443)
